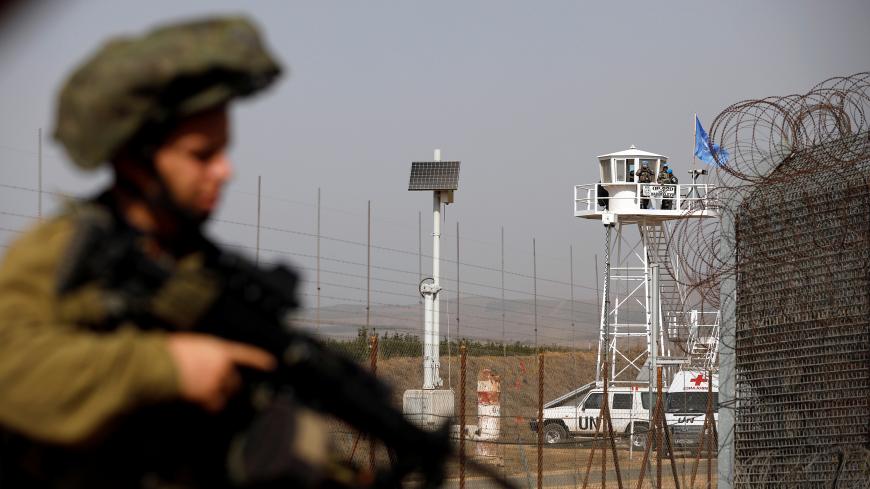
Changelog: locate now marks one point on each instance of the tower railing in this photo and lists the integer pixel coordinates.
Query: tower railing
(687, 196)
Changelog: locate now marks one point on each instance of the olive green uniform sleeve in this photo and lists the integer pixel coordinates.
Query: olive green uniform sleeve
(58, 382)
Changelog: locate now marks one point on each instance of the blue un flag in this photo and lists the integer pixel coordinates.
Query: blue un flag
(706, 152)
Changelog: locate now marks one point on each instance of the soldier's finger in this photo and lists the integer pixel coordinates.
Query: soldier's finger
(250, 356)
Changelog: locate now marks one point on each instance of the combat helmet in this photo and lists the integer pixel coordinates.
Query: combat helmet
(133, 85)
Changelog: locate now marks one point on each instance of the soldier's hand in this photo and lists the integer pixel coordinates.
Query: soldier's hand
(207, 367)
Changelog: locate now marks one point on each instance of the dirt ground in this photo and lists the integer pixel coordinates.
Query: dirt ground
(568, 466)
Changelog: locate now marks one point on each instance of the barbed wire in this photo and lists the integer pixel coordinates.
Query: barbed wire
(794, 199)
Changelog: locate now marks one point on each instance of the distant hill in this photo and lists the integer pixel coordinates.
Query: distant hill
(479, 318)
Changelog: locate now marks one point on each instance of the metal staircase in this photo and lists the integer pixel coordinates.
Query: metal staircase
(703, 342)
(671, 292)
(692, 334)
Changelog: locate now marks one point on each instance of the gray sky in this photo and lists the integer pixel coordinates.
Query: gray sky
(526, 94)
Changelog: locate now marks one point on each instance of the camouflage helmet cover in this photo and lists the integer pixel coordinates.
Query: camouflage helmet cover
(133, 84)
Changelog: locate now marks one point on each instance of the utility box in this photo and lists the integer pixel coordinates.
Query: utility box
(428, 408)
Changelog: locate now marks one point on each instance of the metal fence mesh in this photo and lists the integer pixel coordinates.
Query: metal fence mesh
(803, 328)
(796, 235)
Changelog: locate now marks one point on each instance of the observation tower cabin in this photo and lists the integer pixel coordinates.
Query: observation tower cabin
(619, 192)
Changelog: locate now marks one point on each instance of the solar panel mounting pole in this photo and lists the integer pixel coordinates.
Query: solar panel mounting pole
(433, 379)
(442, 179)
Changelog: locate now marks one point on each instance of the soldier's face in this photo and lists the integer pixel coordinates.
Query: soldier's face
(193, 161)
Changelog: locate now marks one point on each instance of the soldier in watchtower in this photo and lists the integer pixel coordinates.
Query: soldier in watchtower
(668, 181)
(663, 177)
(644, 175)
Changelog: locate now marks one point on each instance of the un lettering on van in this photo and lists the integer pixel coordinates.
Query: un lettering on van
(588, 422)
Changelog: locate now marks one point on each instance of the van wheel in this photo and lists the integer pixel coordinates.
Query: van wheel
(555, 433)
(639, 438)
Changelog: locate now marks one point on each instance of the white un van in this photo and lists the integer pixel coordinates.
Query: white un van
(686, 406)
(575, 414)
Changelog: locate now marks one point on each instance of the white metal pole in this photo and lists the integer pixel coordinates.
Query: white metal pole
(428, 365)
(606, 332)
(620, 262)
(436, 276)
(430, 333)
(648, 284)
(655, 325)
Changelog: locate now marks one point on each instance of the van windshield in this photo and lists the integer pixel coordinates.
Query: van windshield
(690, 402)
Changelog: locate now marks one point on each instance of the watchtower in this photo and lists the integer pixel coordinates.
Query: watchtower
(648, 298)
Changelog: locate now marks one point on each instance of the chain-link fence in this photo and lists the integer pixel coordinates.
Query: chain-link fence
(792, 258)
(803, 328)
(498, 397)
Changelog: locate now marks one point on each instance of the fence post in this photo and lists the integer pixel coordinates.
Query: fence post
(317, 231)
(535, 289)
(503, 344)
(369, 267)
(257, 252)
(458, 330)
(540, 420)
(659, 431)
(39, 181)
(373, 360)
(462, 370)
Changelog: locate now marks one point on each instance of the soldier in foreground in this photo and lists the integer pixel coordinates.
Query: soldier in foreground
(92, 399)
(134, 352)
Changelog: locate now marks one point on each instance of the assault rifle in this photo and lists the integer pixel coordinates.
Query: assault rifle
(251, 305)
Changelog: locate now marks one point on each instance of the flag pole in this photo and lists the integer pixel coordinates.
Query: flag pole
(694, 173)
(694, 140)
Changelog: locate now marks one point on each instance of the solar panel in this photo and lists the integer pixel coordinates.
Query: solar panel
(434, 175)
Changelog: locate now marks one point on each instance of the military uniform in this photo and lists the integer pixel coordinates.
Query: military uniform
(644, 175)
(663, 177)
(54, 399)
(666, 179)
(65, 388)
(83, 404)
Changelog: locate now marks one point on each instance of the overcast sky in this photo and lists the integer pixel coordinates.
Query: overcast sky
(525, 94)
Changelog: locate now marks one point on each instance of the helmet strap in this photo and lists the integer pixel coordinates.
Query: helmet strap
(154, 192)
